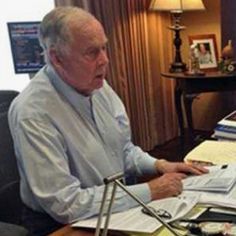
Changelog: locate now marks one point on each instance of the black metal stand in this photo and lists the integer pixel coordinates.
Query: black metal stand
(178, 65)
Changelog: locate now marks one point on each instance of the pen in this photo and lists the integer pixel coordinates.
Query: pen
(224, 166)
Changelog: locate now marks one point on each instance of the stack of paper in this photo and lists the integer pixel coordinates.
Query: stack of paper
(213, 152)
(219, 179)
(219, 199)
(134, 220)
(226, 128)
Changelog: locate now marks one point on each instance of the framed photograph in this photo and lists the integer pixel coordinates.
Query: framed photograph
(207, 51)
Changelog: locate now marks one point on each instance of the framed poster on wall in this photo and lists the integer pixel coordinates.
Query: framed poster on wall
(26, 50)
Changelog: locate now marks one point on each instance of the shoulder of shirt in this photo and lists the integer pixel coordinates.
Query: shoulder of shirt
(39, 95)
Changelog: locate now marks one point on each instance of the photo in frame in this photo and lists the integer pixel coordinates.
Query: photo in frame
(207, 51)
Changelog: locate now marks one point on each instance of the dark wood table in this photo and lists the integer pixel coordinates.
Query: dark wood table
(69, 231)
(187, 86)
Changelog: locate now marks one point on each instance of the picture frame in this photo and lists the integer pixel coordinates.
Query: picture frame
(207, 51)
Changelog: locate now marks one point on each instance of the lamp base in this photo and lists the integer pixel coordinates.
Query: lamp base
(178, 67)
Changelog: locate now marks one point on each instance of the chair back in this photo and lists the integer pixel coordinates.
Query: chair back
(10, 202)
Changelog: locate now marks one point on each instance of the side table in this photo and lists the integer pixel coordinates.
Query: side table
(188, 85)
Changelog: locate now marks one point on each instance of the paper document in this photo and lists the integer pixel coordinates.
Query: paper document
(214, 152)
(223, 210)
(229, 120)
(133, 220)
(220, 178)
(221, 199)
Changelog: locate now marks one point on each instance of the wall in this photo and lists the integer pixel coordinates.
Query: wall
(24, 10)
(209, 107)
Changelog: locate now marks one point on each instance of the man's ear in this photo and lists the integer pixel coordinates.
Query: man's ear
(55, 58)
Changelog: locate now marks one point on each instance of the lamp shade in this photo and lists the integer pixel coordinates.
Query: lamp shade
(176, 5)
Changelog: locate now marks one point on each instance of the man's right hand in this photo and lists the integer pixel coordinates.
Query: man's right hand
(168, 185)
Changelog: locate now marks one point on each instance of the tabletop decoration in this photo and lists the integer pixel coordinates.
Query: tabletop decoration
(226, 63)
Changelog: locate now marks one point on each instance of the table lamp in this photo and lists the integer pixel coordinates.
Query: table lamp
(176, 8)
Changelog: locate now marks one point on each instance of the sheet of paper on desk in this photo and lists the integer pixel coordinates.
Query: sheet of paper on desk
(215, 152)
(219, 199)
(134, 220)
(219, 179)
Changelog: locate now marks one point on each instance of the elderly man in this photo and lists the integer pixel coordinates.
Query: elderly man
(70, 130)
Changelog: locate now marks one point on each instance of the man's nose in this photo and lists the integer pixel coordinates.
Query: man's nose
(103, 58)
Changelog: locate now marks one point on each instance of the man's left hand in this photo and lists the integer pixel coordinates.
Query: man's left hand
(164, 166)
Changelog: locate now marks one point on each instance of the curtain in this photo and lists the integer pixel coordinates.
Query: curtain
(139, 48)
(161, 54)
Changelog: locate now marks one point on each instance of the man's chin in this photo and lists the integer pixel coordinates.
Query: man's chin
(99, 83)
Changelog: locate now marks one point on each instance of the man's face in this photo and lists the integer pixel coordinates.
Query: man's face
(84, 67)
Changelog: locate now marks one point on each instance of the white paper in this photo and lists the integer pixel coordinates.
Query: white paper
(218, 179)
(221, 199)
(223, 210)
(134, 220)
(229, 120)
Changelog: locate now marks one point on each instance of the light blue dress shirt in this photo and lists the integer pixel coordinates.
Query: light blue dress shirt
(66, 144)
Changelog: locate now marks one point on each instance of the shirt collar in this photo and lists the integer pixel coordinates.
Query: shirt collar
(73, 96)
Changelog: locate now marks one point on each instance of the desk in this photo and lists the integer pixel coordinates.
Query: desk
(187, 86)
(69, 231)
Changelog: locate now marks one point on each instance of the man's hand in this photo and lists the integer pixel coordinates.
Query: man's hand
(164, 166)
(167, 185)
(170, 183)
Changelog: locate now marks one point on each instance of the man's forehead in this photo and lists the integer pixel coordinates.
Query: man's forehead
(91, 33)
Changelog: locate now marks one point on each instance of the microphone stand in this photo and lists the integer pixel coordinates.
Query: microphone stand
(115, 180)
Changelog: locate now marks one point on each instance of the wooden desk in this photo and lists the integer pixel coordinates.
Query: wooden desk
(187, 86)
(69, 231)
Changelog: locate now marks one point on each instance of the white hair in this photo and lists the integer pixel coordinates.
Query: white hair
(55, 31)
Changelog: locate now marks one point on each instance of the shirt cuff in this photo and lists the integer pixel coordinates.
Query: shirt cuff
(148, 165)
(141, 191)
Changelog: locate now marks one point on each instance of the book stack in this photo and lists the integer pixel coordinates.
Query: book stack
(226, 128)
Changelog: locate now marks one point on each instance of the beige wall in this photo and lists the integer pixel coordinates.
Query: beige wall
(202, 22)
(210, 107)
